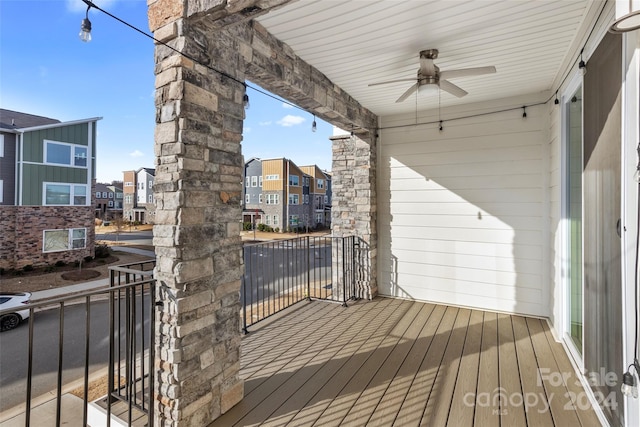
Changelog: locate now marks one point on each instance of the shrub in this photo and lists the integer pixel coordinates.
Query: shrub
(261, 227)
(247, 226)
(88, 258)
(27, 267)
(60, 263)
(102, 251)
(277, 229)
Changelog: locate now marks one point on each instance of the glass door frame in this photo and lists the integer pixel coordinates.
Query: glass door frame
(576, 354)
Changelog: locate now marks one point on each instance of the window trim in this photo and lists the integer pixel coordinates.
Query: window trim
(72, 157)
(254, 181)
(247, 198)
(297, 179)
(72, 195)
(294, 199)
(70, 239)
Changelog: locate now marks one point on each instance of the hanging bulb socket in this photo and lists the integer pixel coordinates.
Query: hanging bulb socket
(582, 65)
(245, 101)
(314, 125)
(557, 101)
(440, 128)
(524, 111)
(85, 27)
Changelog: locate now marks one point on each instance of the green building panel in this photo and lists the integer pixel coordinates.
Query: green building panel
(33, 145)
(36, 175)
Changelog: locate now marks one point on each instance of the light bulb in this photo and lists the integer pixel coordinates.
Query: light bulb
(314, 126)
(629, 387)
(85, 30)
(245, 101)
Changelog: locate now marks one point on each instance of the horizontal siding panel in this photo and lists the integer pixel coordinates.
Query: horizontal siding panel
(484, 222)
(472, 155)
(506, 250)
(486, 182)
(475, 197)
(413, 282)
(468, 234)
(503, 210)
(481, 262)
(468, 274)
(468, 169)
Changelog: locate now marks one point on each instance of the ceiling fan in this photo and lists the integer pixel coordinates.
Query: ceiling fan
(430, 74)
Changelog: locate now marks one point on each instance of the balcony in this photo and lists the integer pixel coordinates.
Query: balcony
(398, 362)
(308, 361)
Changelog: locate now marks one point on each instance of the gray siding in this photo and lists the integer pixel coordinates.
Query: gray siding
(35, 175)
(73, 134)
(253, 168)
(8, 170)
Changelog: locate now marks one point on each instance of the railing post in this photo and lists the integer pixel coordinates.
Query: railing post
(309, 268)
(344, 275)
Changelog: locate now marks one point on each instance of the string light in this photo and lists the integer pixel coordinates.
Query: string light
(245, 101)
(85, 26)
(524, 111)
(556, 101)
(440, 128)
(314, 126)
(582, 65)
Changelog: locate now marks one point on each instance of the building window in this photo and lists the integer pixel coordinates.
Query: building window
(267, 220)
(320, 183)
(104, 194)
(64, 240)
(319, 218)
(128, 199)
(273, 199)
(65, 194)
(247, 181)
(260, 181)
(254, 181)
(128, 184)
(294, 199)
(150, 185)
(276, 219)
(118, 195)
(272, 177)
(293, 220)
(139, 198)
(110, 195)
(110, 203)
(294, 180)
(150, 198)
(141, 186)
(260, 198)
(326, 199)
(1, 191)
(306, 181)
(98, 194)
(247, 198)
(1, 145)
(57, 153)
(306, 199)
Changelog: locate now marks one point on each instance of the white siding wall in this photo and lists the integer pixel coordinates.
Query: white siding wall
(463, 213)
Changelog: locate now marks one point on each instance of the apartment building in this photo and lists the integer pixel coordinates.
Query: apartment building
(282, 195)
(47, 178)
(109, 201)
(139, 204)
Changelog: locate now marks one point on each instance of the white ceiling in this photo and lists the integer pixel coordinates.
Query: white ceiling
(357, 42)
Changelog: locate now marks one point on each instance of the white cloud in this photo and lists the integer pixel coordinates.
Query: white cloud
(80, 6)
(267, 123)
(285, 105)
(136, 153)
(289, 120)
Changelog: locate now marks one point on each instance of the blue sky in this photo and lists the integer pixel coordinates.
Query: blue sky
(46, 70)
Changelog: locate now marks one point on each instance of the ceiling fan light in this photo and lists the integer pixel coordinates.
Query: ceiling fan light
(626, 23)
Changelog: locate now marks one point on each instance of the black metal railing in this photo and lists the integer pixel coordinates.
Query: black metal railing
(92, 341)
(279, 274)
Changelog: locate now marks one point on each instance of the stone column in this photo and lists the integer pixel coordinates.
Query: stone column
(353, 210)
(198, 185)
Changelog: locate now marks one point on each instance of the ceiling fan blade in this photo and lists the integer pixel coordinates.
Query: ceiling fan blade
(447, 86)
(409, 91)
(465, 72)
(392, 81)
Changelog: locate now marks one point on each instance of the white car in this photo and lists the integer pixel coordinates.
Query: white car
(10, 309)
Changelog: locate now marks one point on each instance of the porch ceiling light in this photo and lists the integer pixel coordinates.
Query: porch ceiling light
(85, 26)
(626, 23)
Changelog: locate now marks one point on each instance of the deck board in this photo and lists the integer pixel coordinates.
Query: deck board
(396, 362)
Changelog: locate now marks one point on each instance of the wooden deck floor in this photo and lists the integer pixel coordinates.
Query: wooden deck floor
(391, 362)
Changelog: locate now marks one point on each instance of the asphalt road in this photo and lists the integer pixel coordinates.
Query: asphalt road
(274, 267)
(14, 350)
(127, 236)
